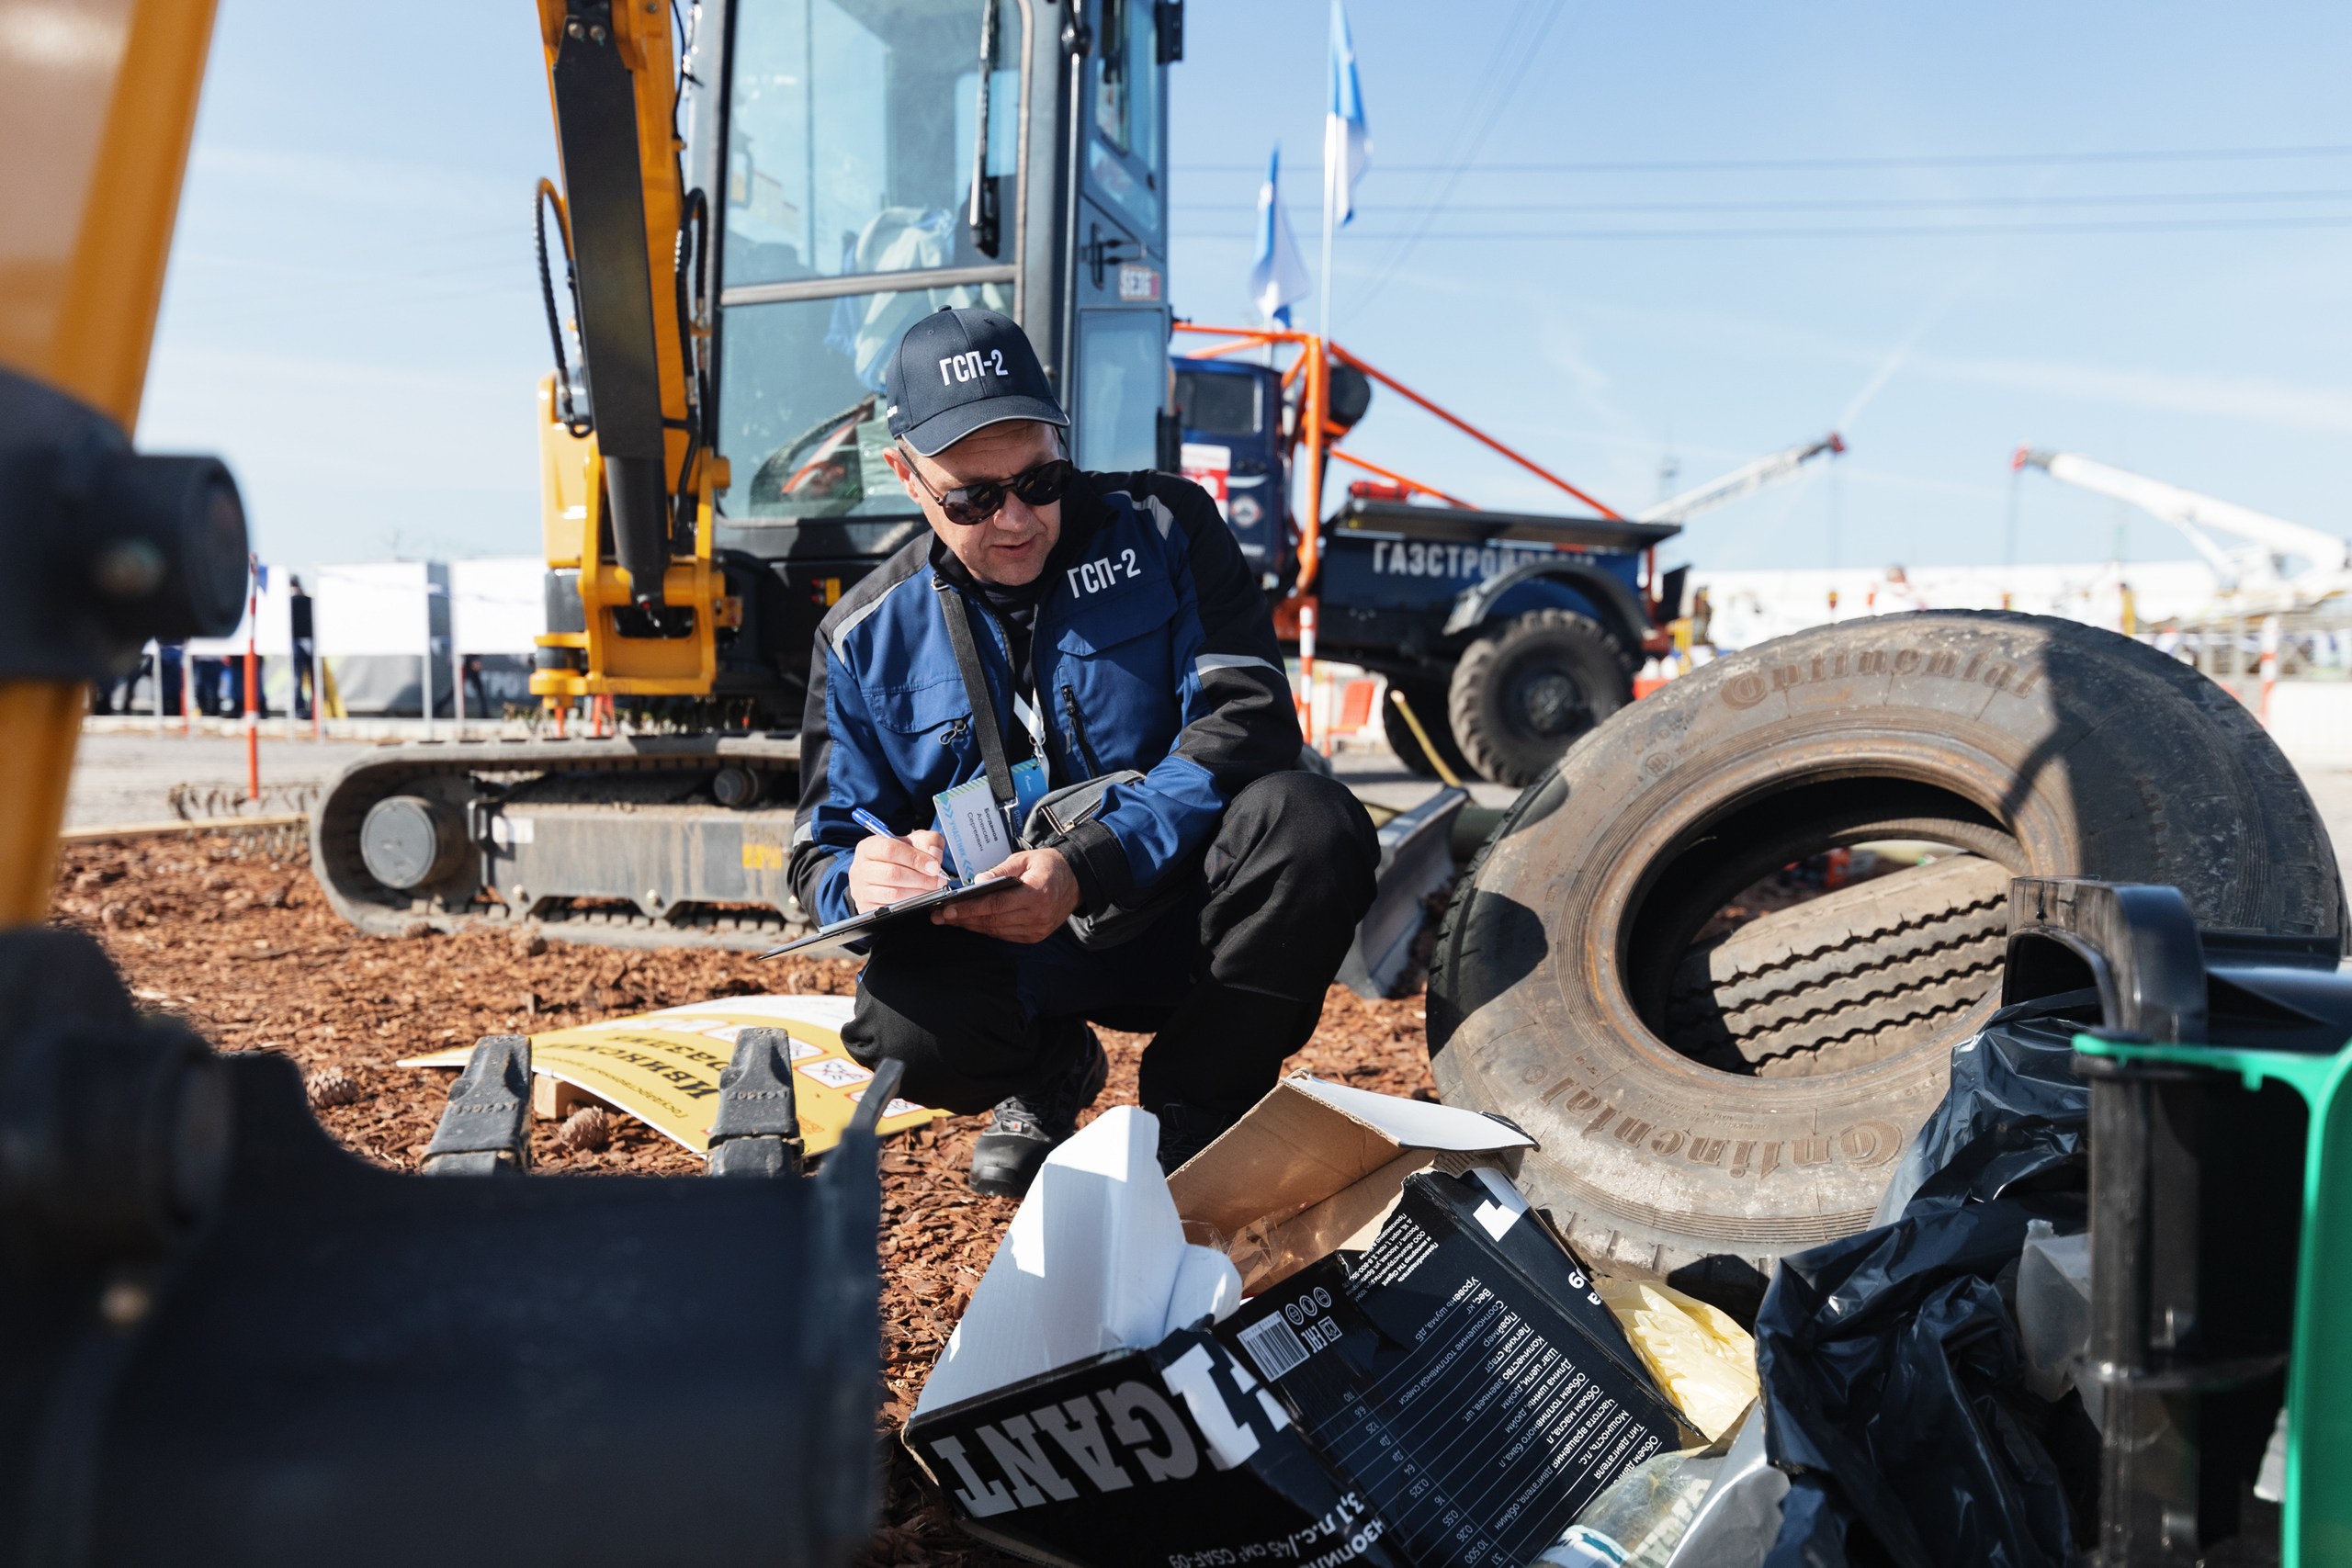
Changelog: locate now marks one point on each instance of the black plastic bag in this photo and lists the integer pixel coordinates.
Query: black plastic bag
(1889, 1360)
(2017, 1079)
(1813, 1528)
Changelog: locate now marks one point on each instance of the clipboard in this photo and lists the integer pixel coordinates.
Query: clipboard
(922, 903)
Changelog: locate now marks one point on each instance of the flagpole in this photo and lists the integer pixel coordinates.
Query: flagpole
(1332, 176)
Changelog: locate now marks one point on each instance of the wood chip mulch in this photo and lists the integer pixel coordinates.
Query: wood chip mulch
(231, 934)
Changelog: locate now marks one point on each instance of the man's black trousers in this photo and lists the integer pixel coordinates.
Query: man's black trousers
(1231, 980)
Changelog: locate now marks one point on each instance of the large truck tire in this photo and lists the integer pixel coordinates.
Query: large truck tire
(1702, 1112)
(1427, 700)
(1521, 696)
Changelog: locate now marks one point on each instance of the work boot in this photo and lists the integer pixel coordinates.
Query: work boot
(1026, 1128)
(1186, 1129)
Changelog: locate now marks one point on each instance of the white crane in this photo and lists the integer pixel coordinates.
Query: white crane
(1745, 479)
(2279, 566)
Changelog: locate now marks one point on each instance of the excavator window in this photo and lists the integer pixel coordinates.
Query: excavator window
(853, 148)
(851, 130)
(1123, 160)
(1122, 374)
(800, 407)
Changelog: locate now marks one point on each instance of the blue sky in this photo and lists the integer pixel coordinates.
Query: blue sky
(352, 317)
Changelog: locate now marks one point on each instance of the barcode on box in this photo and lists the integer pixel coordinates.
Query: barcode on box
(1272, 1344)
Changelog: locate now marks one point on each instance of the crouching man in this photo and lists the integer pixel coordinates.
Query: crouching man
(1111, 624)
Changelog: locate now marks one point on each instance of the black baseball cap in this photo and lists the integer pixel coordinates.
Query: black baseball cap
(959, 369)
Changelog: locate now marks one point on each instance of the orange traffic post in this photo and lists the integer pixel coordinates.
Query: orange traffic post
(1304, 700)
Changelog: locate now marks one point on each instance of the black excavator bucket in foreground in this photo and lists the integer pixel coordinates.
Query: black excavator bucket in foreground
(229, 1341)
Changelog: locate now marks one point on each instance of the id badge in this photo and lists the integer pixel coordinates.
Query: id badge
(977, 829)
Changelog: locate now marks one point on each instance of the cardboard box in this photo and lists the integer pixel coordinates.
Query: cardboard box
(1440, 1386)
(1315, 1166)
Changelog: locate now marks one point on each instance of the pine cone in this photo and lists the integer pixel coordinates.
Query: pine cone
(331, 1085)
(586, 1130)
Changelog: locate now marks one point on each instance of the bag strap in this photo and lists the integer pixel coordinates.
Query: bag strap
(958, 612)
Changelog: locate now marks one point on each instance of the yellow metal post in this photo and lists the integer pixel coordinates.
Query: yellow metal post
(93, 139)
(38, 723)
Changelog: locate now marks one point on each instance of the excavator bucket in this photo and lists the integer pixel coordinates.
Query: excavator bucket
(233, 1342)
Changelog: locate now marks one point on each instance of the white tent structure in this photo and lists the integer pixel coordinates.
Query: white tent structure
(397, 637)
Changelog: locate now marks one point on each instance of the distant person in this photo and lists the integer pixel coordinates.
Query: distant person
(204, 680)
(298, 614)
(477, 693)
(173, 655)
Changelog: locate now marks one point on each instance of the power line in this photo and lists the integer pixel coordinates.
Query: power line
(1924, 161)
(1866, 232)
(1859, 204)
(1468, 149)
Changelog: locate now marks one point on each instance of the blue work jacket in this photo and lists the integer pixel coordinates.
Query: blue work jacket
(1151, 649)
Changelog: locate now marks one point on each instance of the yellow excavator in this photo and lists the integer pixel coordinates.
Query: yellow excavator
(757, 198)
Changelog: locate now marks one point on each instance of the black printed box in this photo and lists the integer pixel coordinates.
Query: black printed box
(1432, 1401)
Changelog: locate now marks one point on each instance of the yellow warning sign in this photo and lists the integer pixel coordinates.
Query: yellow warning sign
(763, 857)
(662, 1068)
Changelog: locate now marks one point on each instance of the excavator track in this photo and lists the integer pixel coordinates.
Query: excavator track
(645, 841)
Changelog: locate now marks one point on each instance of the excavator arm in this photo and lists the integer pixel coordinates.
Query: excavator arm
(628, 468)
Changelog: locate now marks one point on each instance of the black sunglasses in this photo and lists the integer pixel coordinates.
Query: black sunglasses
(970, 505)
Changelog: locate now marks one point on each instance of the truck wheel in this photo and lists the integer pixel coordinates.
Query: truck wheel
(1704, 1107)
(1520, 696)
(1428, 698)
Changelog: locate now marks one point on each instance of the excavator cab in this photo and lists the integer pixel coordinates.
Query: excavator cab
(873, 161)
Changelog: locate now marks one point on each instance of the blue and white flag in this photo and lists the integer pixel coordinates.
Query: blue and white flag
(1347, 141)
(1277, 278)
